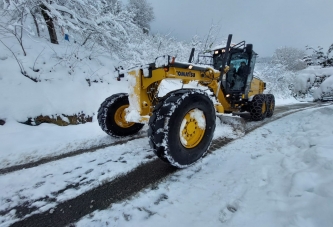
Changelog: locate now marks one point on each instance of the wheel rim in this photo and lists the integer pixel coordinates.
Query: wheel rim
(263, 108)
(192, 128)
(119, 117)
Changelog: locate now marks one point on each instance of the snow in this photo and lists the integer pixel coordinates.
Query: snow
(88, 170)
(145, 70)
(134, 109)
(324, 88)
(306, 78)
(184, 196)
(218, 47)
(62, 89)
(182, 138)
(162, 61)
(199, 116)
(21, 144)
(278, 174)
(317, 70)
(286, 101)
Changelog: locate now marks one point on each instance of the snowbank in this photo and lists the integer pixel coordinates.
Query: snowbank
(69, 80)
(314, 78)
(325, 89)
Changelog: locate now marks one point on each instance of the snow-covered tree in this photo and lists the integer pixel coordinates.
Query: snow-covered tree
(291, 58)
(317, 56)
(329, 58)
(15, 13)
(329, 62)
(87, 22)
(276, 77)
(113, 6)
(143, 13)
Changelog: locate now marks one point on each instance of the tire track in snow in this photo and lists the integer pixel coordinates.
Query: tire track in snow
(66, 155)
(101, 197)
(44, 187)
(124, 186)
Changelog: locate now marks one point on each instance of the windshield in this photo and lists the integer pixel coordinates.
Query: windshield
(237, 58)
(237, 75)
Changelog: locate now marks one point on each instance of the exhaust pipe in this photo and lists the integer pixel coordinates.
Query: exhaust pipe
(191, 56)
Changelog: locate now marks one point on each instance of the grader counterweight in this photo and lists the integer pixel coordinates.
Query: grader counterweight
(182, 123)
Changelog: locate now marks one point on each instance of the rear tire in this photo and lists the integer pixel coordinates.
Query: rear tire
(258, 107)
(270, 105)
(182, 127)
(111, 117)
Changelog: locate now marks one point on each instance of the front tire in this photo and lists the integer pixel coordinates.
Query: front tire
(258, 107)
(182, 127)
(111, 117)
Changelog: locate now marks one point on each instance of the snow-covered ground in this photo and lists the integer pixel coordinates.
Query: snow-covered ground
(24, 144)
(277, 175)
(44, 186)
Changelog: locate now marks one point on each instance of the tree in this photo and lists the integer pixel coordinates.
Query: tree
(318, 57)
(49, 22)
(113, 6)
(89, 21)
(16, 13)
(276, 77)
(289, 57)
(143, 13)
(329, 58)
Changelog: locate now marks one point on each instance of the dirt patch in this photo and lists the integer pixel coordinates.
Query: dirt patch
(61, 120)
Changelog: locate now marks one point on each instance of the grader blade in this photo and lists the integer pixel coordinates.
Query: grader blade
(238, 123)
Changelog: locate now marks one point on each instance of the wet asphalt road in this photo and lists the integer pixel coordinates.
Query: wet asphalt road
(144, 176)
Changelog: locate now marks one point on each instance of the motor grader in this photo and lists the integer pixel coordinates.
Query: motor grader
(182, 122)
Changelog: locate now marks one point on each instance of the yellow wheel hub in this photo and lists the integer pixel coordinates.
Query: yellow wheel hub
(191, 131)
(119, 117)
(263, 108)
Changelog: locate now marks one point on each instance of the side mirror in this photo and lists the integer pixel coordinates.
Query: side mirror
(248, 48)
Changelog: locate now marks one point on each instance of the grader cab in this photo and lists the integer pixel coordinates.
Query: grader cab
(182, 122)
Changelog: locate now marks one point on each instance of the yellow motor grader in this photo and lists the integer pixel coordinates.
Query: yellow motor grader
(182, 122)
